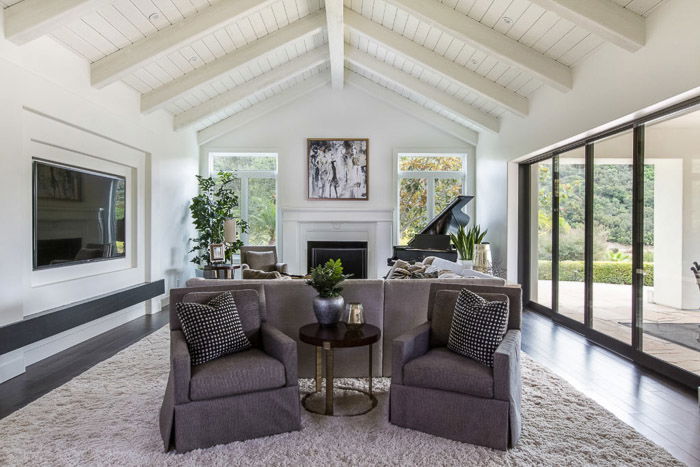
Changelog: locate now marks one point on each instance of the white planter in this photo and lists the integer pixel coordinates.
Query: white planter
(466, 263)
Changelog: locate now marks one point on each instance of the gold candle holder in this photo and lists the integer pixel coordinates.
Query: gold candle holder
(355, 315)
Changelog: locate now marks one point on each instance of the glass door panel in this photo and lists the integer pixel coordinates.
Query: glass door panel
(262, 211)
(671, 312)
(572, 206)
(612, 236)
(541, 234)
(413, 206)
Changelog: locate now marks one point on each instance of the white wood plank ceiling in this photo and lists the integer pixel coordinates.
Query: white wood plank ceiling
(465, 62)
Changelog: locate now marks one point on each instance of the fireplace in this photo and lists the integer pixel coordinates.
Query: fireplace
(353, 255)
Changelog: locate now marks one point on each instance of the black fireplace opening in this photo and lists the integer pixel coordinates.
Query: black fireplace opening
(353, 255)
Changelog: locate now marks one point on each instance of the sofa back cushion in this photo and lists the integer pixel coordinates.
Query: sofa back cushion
(443, 310)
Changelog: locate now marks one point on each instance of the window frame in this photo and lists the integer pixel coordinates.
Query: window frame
(245, 176)
(467, 175)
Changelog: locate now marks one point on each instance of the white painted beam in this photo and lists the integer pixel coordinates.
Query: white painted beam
(411, 108)
(261, 109)
(480, 119)
(117, 65)
(30, 19)
(604, 18)
(297, 31)
(336, 41)
(280, 74)
(489, 40)
(448, 69)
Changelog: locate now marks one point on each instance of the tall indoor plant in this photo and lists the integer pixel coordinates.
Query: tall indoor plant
(464, 241)
(216, 202)
(326, 279)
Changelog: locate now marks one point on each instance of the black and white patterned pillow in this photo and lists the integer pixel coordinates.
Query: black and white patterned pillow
(212, 330)
(477, 327)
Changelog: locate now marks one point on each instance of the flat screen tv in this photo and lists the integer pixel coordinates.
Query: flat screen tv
(79, 215)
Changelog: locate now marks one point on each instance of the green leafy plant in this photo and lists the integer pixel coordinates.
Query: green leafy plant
(617, 255)
(326, 278)
(216, 202)
(464, 241)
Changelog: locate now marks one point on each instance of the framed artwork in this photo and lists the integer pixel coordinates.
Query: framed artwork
(337, 169)
(58, 184)
(217, 252)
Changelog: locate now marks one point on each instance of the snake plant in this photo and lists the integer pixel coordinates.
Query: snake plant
(464, 240)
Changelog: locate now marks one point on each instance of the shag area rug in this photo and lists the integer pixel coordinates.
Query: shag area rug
(109, 416)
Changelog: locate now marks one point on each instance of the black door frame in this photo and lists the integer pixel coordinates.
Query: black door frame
(634, 351)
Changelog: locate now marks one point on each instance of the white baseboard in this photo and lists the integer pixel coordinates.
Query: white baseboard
(14, 363)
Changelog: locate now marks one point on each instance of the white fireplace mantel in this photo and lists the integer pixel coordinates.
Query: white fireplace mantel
(301, 225)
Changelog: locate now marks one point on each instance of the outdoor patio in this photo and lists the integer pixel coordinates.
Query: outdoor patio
(612, 314)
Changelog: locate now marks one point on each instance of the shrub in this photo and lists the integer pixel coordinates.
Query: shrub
(606, 272)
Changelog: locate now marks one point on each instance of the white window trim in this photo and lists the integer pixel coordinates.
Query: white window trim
(245, 176)
(468, 177)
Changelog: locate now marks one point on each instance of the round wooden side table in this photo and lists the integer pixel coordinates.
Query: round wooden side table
(325, 339)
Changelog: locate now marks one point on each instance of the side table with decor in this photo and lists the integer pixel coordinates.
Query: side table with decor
(326, 339)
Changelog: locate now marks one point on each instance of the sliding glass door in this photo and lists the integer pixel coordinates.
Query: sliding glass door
(611, 245)
(671, 311)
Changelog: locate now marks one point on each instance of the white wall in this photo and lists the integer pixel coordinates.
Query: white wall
(45, 95)
(608, 85)
(349, 113)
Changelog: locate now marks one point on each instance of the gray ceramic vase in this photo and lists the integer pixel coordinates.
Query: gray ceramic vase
(328, 310)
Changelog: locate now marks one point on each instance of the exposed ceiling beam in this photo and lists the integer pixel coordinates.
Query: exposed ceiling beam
(483, 37)
(336, 41)
(604, 18)
(30, 19)
(438, 64)
(296, 31)
(411, 108)
(278, 75)
(263, 108)
(115, 66)
(416, 86)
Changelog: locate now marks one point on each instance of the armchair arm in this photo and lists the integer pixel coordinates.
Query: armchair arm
(407, 347)
(281, 268)
(282, 347)
(180, 366)
(506, 368)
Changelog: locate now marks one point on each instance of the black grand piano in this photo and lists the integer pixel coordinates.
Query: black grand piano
(434, 240)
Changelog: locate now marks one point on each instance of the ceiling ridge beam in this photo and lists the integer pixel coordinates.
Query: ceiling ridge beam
(409, 107)
(464, 28)
(448, 69)
(479, 118)
(261, 109)
(115, 66)
(30, 19)
(280, 74)
(603, 18)
(296, 31)
(336, 41)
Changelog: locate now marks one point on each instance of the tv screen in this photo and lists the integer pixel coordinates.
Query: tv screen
(79, 215)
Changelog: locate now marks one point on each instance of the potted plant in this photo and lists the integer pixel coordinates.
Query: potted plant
(464, 241)
(216, 202)
(328, 304)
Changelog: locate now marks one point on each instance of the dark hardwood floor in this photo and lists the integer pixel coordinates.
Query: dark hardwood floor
(661, 410)
(52, 372)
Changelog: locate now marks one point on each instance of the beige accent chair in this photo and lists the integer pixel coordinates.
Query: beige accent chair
(260, 258)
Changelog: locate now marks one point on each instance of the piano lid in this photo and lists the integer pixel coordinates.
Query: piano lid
(450, 218)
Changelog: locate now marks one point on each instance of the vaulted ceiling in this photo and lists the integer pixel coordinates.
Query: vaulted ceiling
(218, 64)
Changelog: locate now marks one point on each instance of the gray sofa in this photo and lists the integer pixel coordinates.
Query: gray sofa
(395, 306)
(237, 397)
(440, 392)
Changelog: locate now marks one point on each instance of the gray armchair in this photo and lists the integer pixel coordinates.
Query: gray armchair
(236, 397)
(261, 258)
(445, 394)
